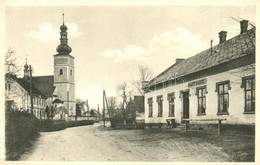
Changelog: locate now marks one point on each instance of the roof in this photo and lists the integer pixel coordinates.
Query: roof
(44, 84)
(234, 48)
(26, 85)
(58, 101)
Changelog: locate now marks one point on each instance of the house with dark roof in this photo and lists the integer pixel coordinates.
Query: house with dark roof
(17, 96)
(217, 83)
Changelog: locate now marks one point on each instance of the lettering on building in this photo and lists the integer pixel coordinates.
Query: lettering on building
(198, 82)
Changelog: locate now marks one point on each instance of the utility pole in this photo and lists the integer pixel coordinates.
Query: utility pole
(104, 108)
(31, 91)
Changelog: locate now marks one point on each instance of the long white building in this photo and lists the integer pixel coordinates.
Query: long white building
(217, 83)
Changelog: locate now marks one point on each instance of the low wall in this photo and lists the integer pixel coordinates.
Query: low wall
(79, 118)
(245, 129)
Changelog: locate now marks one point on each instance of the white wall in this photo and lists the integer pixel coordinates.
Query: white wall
(236, 99)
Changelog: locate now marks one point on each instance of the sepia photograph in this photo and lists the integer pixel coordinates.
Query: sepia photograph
(121, 82)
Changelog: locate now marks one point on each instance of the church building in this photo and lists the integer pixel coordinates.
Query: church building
(47, 90)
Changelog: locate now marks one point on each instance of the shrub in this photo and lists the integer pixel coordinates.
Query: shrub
(56, 125)
(21, 128)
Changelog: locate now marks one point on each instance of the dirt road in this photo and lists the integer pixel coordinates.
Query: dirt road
(96, 143)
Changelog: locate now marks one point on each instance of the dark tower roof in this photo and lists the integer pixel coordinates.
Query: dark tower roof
(63, 48)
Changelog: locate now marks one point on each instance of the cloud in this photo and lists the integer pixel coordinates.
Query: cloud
(130, 52)
(73, 30)
(46, 32)
(180, 42)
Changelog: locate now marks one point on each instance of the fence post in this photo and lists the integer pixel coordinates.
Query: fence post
(186, 125)
(219, 126)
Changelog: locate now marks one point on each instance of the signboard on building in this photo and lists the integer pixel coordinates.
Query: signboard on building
(198, 82)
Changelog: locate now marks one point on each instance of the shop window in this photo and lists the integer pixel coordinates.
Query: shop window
(201, 96)
(160, 105)
(171, 104)
(223, 97)
(150, 105)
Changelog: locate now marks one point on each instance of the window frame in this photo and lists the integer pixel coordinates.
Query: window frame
(170, 103)
(223, 83)
(252, 90)
(150, 107)
(160, 105)
(61, 72)
(203, 97)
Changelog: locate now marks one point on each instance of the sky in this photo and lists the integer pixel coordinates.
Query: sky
(109, 42)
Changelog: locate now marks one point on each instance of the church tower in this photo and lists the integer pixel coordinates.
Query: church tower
(64, 77)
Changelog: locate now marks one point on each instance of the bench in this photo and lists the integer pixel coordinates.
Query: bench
(219, 122)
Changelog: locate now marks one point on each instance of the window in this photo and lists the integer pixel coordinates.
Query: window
(249, 87)
(201, 95)
(5, 86)
(150, 104)
(223, 97)
(61, 72)
(171, 104)
(71, 72)
(160, 105)
(9, 86)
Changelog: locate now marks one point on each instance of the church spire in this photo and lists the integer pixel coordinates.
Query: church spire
(63, 48)
(63, 17)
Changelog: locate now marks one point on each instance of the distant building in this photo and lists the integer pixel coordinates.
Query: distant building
(216, 83)
(139, 104)
(17, 96)
(46, 89)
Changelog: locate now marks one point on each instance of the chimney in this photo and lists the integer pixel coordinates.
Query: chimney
(178, 60)
(243, 26)
(222, 36)
(144, 85)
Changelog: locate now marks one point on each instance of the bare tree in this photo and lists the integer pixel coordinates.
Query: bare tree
(111, 101)
(145, 74)
(125, 94)
(11, 66)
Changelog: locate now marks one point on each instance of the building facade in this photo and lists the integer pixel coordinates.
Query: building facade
(45, 89)
(17, 96)
(216, 83)
(64, 75)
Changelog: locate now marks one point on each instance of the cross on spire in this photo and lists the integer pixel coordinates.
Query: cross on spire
(63, 17)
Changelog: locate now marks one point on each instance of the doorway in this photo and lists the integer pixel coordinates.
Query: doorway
(186, 105)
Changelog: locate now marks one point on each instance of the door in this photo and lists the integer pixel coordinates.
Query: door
(186, 105)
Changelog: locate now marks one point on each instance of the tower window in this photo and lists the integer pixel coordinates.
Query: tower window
(71, 72)
(61, 72)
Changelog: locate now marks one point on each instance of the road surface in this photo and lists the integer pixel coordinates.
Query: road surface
(98, 143)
